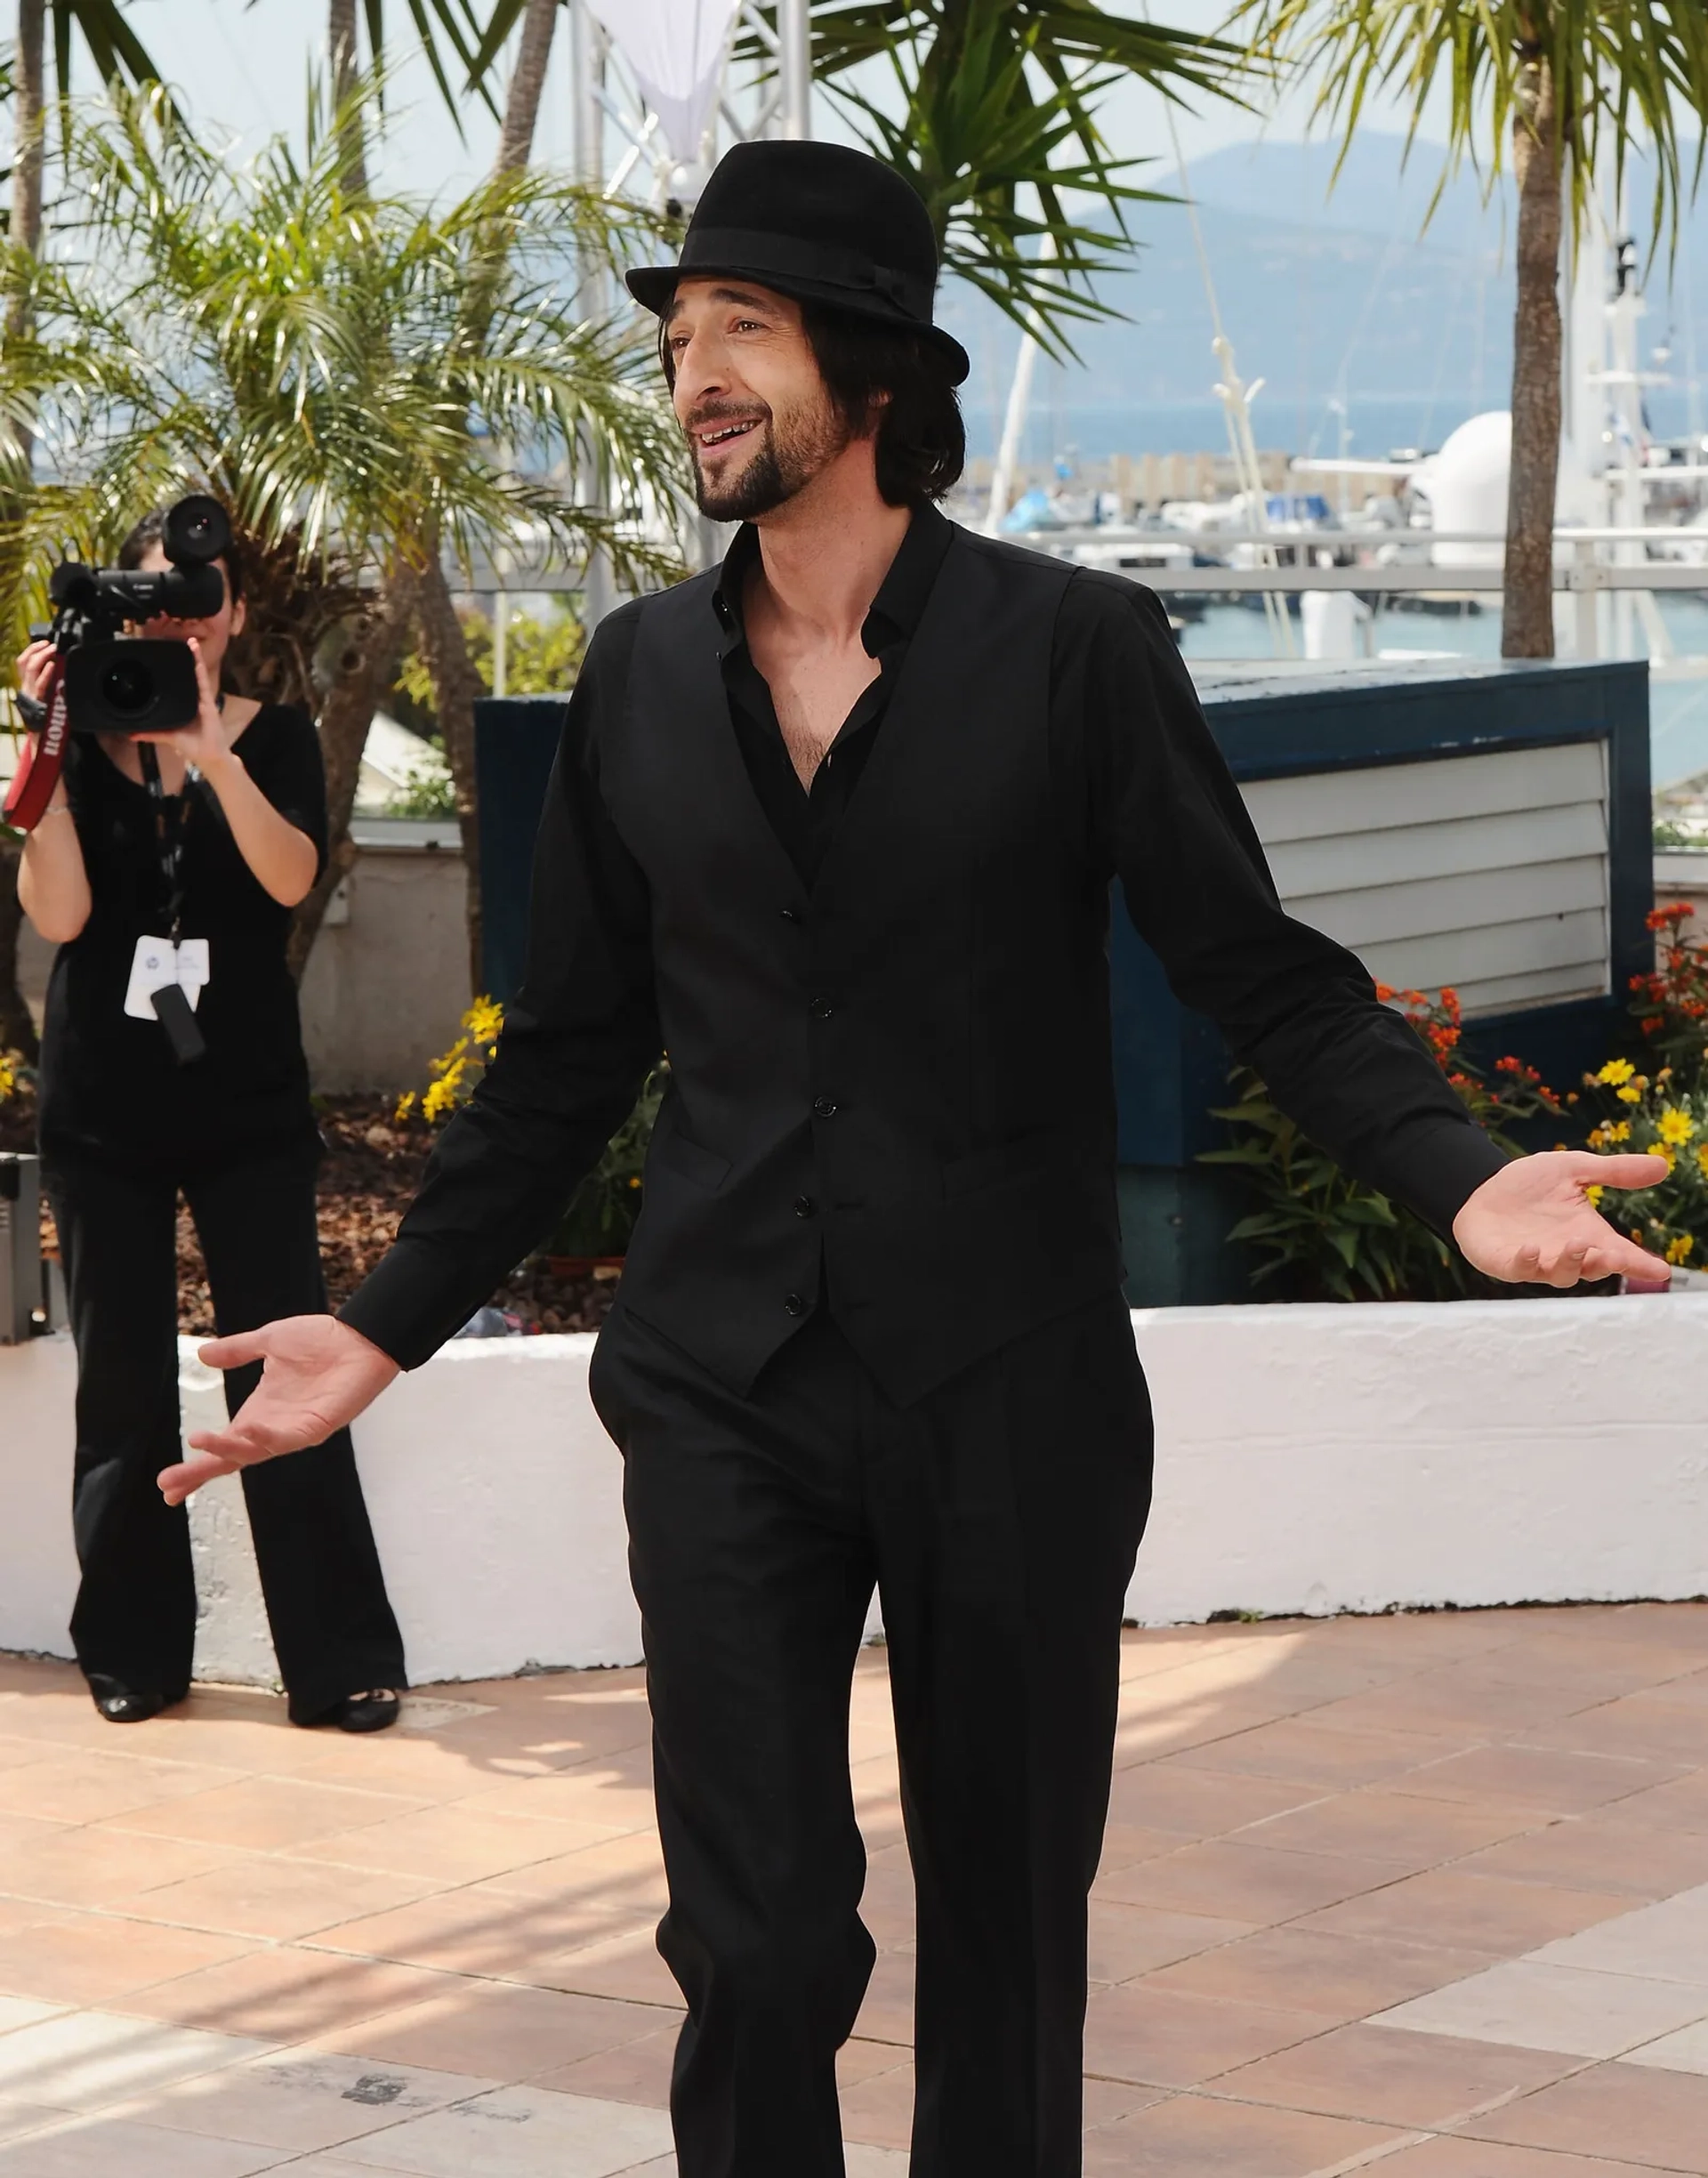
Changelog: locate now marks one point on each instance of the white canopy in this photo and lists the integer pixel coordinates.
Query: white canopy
(676, 49)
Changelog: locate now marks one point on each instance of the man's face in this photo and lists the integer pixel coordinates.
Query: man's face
(759, 417)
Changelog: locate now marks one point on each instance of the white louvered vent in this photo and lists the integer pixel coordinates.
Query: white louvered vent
(1488, 873)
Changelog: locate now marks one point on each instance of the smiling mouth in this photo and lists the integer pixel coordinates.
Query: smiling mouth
(723, 434)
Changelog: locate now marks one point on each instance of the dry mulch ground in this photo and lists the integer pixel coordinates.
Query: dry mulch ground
(370, 1173)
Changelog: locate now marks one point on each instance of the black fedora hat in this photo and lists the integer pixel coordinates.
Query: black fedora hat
(820, 222)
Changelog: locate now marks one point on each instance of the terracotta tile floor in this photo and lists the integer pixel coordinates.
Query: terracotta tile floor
(1426, 1893)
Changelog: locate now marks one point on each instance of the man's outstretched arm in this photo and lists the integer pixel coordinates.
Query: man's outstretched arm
(577, 1047)
(1165, 813)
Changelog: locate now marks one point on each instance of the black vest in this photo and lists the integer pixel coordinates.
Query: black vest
(896, 1089)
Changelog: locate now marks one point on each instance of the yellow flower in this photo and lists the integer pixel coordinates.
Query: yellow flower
(1593, 1195)
(1616, 1070)
(1678, 1251)
(406, 1105)
(1702, 1159)
(8, 1080)
(1677, 1127)
(483, 1020)
(439, 1100)
(1617, 1130)
(1629, 1096)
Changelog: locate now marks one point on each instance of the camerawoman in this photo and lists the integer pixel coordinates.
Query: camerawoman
(171, 828)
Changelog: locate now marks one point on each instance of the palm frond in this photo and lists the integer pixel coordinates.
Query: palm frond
(1623, 71)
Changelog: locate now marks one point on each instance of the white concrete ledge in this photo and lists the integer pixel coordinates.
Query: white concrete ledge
(1309, 1459)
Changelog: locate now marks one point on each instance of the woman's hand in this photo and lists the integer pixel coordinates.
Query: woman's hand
(53, 884)
(207, 744)
(34, 664)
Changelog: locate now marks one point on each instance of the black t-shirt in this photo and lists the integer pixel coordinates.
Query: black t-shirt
(110, 1087)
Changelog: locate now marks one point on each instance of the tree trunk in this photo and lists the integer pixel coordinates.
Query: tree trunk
(366, 669)
(342, 45)
(1528, 624)
(30, 106)
(456, 684)
(17, 1029)
(522, 105)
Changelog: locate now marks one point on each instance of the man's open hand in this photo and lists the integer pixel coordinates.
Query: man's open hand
(317, 1375)
(1532, 1224)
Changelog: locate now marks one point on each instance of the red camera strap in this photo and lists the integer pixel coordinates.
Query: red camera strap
(39, 774)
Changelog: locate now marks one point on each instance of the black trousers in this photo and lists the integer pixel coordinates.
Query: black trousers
(999, 1519)
(333, 1627)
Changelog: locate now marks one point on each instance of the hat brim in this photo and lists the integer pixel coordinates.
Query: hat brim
(653, 285)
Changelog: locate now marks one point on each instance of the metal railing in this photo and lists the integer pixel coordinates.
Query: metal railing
(1579, 570)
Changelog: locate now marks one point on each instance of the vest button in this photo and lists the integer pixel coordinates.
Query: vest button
(821, 1009)
(791, 915)
(795, 1304)
(824, 1108)
(805, 1206)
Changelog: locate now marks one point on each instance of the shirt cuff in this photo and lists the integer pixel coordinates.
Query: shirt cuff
(410, 1304)
(1444, 1169)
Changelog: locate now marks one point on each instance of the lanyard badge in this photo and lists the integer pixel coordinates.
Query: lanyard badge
(169, 974)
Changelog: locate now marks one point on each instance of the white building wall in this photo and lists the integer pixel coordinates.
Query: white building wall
(1488, 873)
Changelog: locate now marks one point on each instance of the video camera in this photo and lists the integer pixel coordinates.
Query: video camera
(105, 682)
(120, 684)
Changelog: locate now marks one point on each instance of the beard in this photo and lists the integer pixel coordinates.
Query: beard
(787, 454)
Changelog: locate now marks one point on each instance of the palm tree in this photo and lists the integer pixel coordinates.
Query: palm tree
(117, 53)
(1571, 82)
(303, 352)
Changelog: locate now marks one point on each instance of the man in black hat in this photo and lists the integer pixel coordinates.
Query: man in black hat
(836, 823)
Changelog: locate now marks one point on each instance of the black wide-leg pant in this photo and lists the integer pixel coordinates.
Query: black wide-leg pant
(332, 1624)
(999, 1519)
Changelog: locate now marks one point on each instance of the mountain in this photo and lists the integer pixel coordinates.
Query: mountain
(1323, 294)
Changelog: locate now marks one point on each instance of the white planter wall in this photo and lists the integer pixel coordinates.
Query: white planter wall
(1308, 1460)
(1339, 1458)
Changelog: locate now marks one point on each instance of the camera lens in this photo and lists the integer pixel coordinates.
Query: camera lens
(197, 529)
(127, 687)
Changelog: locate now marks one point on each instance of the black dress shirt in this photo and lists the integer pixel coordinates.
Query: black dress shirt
(804, 819)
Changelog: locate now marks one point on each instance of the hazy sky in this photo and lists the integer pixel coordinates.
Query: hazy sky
(247, 67)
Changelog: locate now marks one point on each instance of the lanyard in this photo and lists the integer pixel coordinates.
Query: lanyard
(168, 827)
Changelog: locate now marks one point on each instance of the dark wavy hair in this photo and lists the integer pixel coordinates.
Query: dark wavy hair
(152, 530)
(921, 441)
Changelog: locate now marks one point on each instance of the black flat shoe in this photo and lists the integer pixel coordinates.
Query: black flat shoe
(124, 1704)
(375, 1709)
